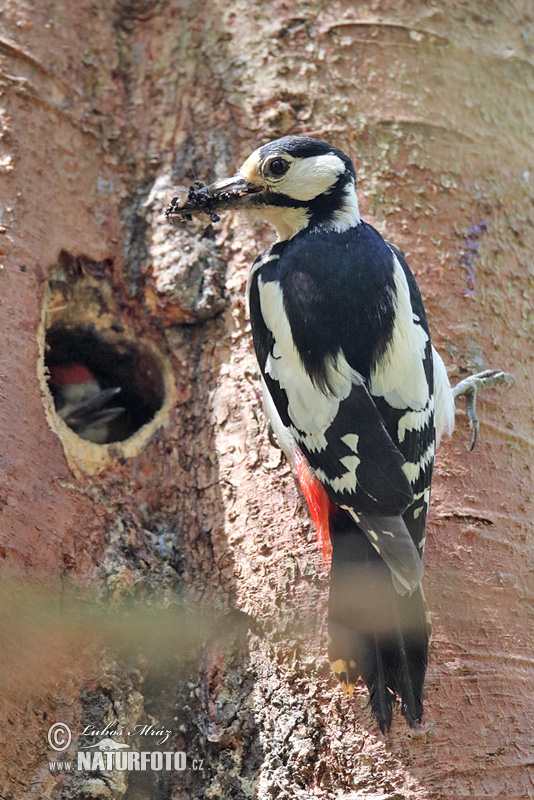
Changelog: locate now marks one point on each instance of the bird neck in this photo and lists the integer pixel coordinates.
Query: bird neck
(287, 221)
(345, 214)
(337, 211)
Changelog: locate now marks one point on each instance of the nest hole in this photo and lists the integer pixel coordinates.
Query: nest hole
(105, 386)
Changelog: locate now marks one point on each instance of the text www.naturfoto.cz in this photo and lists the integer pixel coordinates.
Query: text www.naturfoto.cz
(123, 761)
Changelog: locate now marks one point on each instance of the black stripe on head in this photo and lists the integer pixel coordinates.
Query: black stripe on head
(305, 147)
(321, 208)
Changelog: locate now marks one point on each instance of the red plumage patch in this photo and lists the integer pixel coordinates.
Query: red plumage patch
(74, 373)
(318, 502)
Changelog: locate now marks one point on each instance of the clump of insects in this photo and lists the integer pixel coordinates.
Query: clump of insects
(188, 201)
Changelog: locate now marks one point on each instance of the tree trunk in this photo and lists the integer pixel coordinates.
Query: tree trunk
(104, 107)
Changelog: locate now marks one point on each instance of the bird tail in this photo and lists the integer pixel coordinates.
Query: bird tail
(374, 632)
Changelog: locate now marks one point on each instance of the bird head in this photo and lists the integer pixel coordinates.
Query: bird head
(81, 402)
(294, 183)
(73, 382)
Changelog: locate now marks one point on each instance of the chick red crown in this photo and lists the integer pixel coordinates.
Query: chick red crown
(73, 373)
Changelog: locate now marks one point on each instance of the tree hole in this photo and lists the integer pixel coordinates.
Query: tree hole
(105, 386)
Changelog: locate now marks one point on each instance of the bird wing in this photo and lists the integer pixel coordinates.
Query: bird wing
(404, 383)
(309, 365)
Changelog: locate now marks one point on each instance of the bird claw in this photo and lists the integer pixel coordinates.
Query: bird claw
(469, 387)
(272, 436)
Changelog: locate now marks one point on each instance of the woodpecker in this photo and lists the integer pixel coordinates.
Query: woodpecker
(81, 402)
(357, 398)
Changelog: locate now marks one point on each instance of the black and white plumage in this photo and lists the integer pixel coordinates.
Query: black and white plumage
(351, 381)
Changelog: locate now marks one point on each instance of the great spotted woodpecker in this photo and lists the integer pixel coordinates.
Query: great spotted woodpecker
(82, 403)
(357, 397)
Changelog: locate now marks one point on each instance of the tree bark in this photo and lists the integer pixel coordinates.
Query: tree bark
(103, 107)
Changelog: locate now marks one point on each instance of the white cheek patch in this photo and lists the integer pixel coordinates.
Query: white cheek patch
(306, 179)
(309, 177)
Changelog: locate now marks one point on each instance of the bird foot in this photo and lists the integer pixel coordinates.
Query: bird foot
(469, 387)
(272, 435)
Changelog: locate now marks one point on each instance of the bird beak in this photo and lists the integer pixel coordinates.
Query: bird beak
(231, 190)
(222, 195)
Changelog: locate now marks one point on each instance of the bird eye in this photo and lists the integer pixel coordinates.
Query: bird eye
(276, 168)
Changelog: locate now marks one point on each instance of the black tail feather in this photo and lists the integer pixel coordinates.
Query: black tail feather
(381, 697)
(374, 632)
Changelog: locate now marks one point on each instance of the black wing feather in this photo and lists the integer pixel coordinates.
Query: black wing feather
(335, 301)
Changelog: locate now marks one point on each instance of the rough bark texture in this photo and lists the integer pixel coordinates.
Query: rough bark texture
(103, 105)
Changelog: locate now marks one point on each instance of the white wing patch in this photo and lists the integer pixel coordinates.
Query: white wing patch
(314, 442)
(418, 509)
(399, 376)
(413, 469)
(443, 397)
(415, 420)
(283, 434)
(351, 440)
(311, 410)
(263, 259)
(346, 482)
(424, 495)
